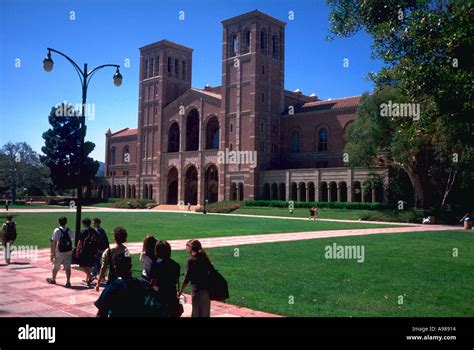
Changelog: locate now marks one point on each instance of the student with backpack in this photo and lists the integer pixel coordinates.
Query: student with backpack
(61, 251)
(103, 245)
(126, 296)
(165, 277)
(87, 248)
(8, 236)
(198, 268)
(147, 256)
(111, 254)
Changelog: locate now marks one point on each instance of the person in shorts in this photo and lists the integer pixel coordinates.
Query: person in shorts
(61, 251)
(8, 236)
(87, 249)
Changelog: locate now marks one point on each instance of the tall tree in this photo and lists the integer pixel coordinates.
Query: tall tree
(427, 47)
(62, 149)
(22, 169)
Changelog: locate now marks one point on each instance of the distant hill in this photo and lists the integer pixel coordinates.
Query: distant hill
(101, 171)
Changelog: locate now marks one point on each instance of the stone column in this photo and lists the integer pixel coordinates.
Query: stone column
(298, 195)
(362, 194)
(338, 193)
(373, 195)
(307, 193)
(328, 190)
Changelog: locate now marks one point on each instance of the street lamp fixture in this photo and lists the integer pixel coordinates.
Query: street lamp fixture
(117, 78)
(48, 63)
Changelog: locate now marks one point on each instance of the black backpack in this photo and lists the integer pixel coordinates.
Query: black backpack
(10, 232)
(218, 288)
(65, 242)
(90, 245)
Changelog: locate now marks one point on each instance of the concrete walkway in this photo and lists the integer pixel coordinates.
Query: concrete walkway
(24, 291)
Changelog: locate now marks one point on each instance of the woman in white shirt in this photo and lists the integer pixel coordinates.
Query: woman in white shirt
(147, 256)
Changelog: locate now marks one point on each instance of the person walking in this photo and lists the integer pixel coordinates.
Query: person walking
(87, 249)
(164, 278)
(8, 236)
(61, 251)
(103, 245)
(197, 273)
(111, 254)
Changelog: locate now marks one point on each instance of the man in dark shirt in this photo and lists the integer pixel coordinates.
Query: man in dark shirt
(125, 296)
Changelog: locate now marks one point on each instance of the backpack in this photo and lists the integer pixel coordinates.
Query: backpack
(218, 288)
(10, 231)
(90, 244)
(65, 242)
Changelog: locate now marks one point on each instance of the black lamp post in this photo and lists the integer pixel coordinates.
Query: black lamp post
(85, 77)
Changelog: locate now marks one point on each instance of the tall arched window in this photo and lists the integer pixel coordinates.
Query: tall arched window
(212, 134)
(275, 44)
(246, 41)
(263, 41)
(173, 138)
(112, 156)
(323, 139)
(295, 142)
(233, 45)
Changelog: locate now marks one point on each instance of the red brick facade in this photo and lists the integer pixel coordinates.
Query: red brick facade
(287, 139)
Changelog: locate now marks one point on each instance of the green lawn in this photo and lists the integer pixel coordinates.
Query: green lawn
(36, 228)
(343, 214)
(419, 266)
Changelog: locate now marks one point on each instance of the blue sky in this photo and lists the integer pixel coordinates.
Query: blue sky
(111, 31)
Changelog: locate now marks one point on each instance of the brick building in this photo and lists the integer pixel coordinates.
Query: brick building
(246, 139)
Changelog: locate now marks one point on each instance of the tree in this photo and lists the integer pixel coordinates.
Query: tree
(427, 50)
(22, 169)
(62, 150)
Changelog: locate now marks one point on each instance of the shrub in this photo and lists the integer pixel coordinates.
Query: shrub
(129, 203)
(331, 205)
(220, 207)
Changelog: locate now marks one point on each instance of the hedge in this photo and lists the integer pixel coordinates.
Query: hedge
(128, 203)
(220, 207)
(331, 205)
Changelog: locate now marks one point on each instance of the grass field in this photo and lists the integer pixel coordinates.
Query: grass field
(36, 228)
(342, 214)
(418, 266)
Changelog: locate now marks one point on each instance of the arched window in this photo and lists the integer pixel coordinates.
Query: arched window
(169, 66)
(126, 154)
(192, 131)
(323, 139)
(156, 70)
(275, 46)
(144, 69)
(263, 41)
(246, 41)
(212, 134)
(183, 70)
(233, 45)
(112, 156)
(173, 138)
(295, 142)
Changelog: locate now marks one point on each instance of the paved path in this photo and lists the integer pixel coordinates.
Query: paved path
(24, 292)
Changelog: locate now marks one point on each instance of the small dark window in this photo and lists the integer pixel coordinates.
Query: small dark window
(263, 70)
(263, 97)
(184, 70)
(231, 127)
(145, 69)
(169, 66)
(176, 68)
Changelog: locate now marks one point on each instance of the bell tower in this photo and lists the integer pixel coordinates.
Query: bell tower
(165, 74)
(252, 93)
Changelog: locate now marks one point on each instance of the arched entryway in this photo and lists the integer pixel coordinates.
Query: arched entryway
(311, 192)
(233, 191)
(342, 194)
(323, 192)
(266, 192)
(192, 131)
(240, 191)
(302, 192)
(191, 185)
(356, 192)
(172, 186)
(294, 191)
(282, 192)
(274, 192)
(332, 192)
(211, 184)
